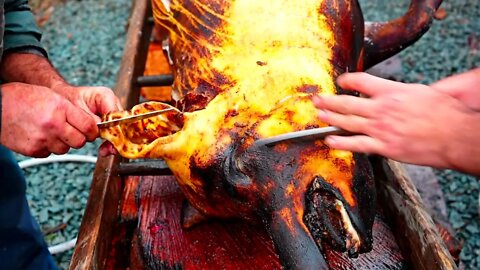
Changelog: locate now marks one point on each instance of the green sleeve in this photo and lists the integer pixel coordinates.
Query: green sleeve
(21, 31)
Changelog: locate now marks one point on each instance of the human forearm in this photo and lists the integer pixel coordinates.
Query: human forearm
(469, 79)
(30, 69)
(464, 87)
(463, 153)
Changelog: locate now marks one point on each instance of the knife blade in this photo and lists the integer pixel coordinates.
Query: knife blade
(133, 118)
(303, 135)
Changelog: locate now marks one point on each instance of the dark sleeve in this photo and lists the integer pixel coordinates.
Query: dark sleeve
(21, 31)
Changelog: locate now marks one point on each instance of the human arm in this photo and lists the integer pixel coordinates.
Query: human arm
(53, 128)
(27, 106)
(37, 70)
(411, 123)
(36, 121)
(464, 87)
(21, 31)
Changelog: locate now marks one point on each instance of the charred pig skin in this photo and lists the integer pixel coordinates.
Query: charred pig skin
(245, 70)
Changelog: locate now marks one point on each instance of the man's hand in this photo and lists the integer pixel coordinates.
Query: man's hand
(411, 123)
(36, 121)
(37, 70)
(464, 87)
(94, 100)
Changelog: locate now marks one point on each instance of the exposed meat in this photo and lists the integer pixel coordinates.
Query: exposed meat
(246, 70)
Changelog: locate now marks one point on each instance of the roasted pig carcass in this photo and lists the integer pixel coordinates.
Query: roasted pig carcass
(245, 70)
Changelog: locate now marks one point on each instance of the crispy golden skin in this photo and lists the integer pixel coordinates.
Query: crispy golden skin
(258, 79)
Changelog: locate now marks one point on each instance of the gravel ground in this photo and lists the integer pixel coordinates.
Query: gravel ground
(451, 46)
(85, 41)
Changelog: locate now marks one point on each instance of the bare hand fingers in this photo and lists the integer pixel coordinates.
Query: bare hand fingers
(366, 84)
(106, 149)
(357, 143)
(72, 137)
(39, 153)
(345, 104)
(106, 101)
(56, 146)
(351, 123)
(82, 121)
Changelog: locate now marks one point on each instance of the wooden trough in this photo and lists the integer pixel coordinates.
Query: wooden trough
(132, 218)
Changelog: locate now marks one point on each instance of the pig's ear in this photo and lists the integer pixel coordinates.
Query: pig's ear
(138, 139)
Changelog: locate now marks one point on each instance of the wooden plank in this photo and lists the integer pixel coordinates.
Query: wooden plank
(433, 199)
(233, 244)
(212, 245)
(102, 207)
(101, 211)
(428, 188)
(128, 205)
(416, 233)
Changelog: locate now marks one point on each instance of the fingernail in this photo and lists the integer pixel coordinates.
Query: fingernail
(341, 78)
(330, 141)
(323, 115)
(316, 100)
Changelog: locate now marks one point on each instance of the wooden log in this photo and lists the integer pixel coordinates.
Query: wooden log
(415, 231)
(151, 167)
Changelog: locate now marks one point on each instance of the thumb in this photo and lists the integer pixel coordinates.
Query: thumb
(107, 149)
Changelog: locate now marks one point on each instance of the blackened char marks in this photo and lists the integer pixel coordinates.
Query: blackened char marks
(199, 97)
(202, 18)
(346, 20)
(309, 89)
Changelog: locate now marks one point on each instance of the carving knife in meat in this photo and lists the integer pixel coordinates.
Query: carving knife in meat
(303, 135)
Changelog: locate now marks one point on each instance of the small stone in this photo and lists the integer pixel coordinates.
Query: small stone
(440, 14)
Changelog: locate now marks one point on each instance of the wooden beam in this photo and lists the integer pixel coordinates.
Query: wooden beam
(414, 228)
(101, 209)
(106, 190)
(150, 167)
